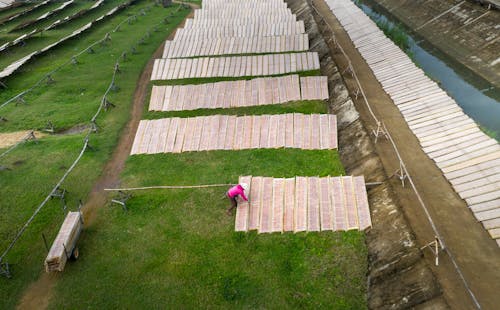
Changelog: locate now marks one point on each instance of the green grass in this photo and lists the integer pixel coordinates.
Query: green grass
(220, 79)
(306, 107)
(72, 100)
(177, 248)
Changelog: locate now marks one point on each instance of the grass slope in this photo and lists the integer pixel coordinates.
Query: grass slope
(71, 101)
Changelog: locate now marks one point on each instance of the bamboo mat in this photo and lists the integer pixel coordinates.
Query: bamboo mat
(224, 132)
(468, 158)
(303, 204)
(235, 45)
(238, 66)
(242, 93)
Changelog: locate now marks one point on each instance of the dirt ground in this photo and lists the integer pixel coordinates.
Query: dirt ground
(477, 255)
(38, 294)
(8, 139)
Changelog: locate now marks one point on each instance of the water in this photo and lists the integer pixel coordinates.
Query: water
(477, 97)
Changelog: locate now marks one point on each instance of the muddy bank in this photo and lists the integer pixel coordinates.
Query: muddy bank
(398, 277)
(465, 31)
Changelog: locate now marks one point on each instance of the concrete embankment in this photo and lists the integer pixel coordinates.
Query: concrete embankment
(398, 276)
(464, 30)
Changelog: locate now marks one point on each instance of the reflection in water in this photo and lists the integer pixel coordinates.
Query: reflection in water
(478, 99)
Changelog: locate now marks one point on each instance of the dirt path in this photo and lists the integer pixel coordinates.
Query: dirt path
(38, 294)
(477, 255)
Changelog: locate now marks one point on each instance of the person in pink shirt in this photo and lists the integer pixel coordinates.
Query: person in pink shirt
(235, 191)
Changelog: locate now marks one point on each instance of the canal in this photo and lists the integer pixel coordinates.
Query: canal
(478, 98)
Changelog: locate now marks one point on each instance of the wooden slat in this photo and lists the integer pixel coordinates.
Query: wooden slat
(266, 213)
(278, 204)
(242, 211)
(301, 203)
(313, 214)
(289, 208)
(255, 203)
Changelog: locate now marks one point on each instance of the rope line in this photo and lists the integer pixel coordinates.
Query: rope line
(166, 187)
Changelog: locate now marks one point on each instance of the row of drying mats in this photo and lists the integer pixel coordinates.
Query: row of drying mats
(468, 158)
(262, 47)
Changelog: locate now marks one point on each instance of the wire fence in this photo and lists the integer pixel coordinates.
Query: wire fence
(104, 104)
(381, 129)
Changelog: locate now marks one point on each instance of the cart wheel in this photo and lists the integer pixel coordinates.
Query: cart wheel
(75, 254)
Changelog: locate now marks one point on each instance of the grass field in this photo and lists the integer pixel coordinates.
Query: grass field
(172, 248)
(71, 101)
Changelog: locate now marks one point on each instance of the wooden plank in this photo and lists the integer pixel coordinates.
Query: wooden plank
(188, 135)
(289, 208)
(205, 134)
(301, 203)
(278, 204)
(242, 211)
(264, 131)
(138, 137)
(265, 225)
(246, 142)
(307, 132)
(255, 203)
(198, 129)
(280, 137)
(170, 138)
(350, 203)
(333, 131)
(221, 139)
(337, 198)
(273, 131)
(326, 210)
(230, 133)
(298, 129)
(363, 208)
(179, 136)
(315, 131)
(289, 130)
(313, 211)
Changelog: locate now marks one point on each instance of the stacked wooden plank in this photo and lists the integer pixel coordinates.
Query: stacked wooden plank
(238, 66)
(227, 132)
(239, 21)
(248, 30)
(242, 93)
(64, 242)
(236, 12)
(235, 45)
(244, 5)
(314, 87)
(468, 158)
(303, 204)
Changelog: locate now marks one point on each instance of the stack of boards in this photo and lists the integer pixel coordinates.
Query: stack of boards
(467, 157)
(303, 204)
(261, 40)
(64, 243)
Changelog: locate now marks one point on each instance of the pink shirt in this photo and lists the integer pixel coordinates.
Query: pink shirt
(235, 191)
